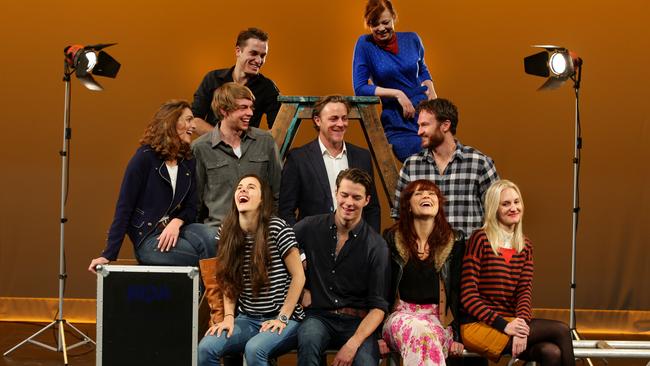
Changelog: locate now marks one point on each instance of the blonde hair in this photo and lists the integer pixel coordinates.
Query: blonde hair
(491, 225)
(225, 97)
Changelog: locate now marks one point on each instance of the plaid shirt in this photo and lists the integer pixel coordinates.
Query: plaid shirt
(464, 182)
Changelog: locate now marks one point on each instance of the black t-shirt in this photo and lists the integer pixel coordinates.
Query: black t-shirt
(264, 89)
(419, 283)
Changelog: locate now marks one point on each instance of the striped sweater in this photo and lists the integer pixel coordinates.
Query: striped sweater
(271, 297)
(492, 287)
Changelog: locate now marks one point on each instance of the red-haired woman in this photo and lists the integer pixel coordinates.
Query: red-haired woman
(394, 62)
(496, 290)
(156, 207)
(426, 264)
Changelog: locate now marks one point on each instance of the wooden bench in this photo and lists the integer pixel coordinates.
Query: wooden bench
(582, 349)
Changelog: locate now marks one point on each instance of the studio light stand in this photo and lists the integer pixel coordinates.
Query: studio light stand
(84, 61)
(576, 197)
(559, 64)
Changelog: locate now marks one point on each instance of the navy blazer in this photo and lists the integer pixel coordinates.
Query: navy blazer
(146, 196)
(305, 185)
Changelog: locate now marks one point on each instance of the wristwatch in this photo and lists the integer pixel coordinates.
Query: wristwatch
(283, 318)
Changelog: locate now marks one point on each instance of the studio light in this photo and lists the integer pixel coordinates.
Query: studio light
(559, 64)
(91, 60)
(555, 63)
(83, 61)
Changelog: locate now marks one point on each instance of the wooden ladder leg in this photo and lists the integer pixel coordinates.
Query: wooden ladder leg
(285, 127)
(381, 150)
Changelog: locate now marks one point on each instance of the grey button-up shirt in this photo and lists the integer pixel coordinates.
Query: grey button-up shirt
(218, 169)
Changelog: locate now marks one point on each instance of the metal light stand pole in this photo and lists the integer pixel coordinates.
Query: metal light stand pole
(576, 202)
(59, 323)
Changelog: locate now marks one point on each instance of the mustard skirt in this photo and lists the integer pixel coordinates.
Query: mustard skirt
(483, 339)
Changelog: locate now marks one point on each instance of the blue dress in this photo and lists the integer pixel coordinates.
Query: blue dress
(405, 71)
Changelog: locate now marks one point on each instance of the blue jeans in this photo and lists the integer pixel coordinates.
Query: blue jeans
(195, 241)
(246, 337)
(322, 330)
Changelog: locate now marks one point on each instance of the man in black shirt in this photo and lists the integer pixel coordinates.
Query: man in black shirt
(348, 277)
(251, 49)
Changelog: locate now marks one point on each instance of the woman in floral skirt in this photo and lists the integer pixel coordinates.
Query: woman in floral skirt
(426, 255)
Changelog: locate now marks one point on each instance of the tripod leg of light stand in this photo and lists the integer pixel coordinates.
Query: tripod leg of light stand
(30, 339)
(62, 341)
(84, 338)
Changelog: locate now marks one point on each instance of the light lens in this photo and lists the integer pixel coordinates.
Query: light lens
(92, 60)
(558, 63)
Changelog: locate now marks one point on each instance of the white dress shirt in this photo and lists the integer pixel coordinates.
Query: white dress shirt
(333, 165)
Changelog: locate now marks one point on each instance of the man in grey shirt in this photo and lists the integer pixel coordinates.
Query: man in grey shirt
(231, 150)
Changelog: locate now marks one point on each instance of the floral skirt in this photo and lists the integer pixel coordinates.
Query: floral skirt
(415, 331)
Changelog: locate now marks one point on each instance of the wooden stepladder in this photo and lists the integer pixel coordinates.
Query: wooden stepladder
(296, 108)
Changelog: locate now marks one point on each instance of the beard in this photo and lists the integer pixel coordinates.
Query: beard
(434, 141)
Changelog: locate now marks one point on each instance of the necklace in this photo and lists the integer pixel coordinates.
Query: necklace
(506, 239)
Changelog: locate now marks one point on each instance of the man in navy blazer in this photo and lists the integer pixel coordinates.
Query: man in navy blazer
(309, 175)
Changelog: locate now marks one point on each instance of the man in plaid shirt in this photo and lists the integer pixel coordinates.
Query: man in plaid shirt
(462, 173)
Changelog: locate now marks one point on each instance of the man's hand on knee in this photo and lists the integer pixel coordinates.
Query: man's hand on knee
(345, 355)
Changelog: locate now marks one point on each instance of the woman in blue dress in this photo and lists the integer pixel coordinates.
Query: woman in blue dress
(394, 63)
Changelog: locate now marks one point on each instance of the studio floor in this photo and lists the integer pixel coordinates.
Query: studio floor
(12, 333)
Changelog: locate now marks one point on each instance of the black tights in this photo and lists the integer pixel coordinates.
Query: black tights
(549, 343)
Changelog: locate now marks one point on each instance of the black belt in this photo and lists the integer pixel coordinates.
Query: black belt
(360, 313)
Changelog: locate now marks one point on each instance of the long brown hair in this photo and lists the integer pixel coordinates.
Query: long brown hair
(233, 242)
(442, 232)
(161, 133)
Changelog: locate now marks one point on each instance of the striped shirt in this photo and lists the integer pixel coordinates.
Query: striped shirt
(464, 182)
(492, 287)
(271, 297)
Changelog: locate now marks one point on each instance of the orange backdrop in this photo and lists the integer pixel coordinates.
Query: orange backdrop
(474, 50)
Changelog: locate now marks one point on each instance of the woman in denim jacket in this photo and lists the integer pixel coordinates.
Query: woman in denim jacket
(156, 207)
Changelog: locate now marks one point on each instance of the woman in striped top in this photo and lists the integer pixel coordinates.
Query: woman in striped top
(496, 288)
(261, 277)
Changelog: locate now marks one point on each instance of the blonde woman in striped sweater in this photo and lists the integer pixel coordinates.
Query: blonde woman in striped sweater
(496, 288)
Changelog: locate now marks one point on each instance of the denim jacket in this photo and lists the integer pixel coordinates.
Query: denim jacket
(146, 196)
(448, 262)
